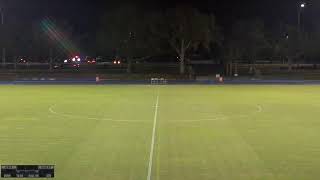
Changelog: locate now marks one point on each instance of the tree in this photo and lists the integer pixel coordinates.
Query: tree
(124, 33)
(233, 52)
(247, 39)
(184, 28)
(311, 46)
(290, 44)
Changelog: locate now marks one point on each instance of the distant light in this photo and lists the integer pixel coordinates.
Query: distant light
(65, 61)
(73, 59)
(114, 62)
(119, 62)
(303, 5)
(78, 59)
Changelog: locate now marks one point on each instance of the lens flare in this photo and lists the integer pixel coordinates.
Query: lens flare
(59, 38)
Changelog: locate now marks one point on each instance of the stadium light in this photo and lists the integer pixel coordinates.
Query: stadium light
(300, 10)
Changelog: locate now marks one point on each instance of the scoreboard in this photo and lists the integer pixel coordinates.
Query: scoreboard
(27, 171)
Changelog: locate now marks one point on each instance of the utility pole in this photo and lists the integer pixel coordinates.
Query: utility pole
(51, 59)
(300, 10)
(3, 48)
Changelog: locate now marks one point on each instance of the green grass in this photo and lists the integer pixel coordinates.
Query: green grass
(202, 132)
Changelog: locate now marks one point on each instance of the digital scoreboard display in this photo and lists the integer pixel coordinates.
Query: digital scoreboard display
(27, 171)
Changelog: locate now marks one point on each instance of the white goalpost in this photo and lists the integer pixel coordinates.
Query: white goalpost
(158, 81)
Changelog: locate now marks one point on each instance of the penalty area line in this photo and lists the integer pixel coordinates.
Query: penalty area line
(153, 138)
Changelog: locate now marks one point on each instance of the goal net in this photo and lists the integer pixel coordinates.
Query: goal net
(158, 81)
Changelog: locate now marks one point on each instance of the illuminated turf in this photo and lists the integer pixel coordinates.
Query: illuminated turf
(202, 132)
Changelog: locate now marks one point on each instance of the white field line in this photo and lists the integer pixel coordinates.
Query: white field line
(153, 138)
(200, 120)
(52, 111)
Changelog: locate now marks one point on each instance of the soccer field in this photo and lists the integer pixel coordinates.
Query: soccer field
(163, 132)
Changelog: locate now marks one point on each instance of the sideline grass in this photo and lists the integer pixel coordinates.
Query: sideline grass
(203, 132)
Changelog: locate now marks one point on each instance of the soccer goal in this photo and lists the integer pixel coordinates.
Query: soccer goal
(158, 81)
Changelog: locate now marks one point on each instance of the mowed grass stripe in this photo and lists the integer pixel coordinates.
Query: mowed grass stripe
(198, 152)
(96, 149)
(268, 132)
(240, 146)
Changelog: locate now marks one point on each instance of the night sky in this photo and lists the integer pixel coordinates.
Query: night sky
(80, 12)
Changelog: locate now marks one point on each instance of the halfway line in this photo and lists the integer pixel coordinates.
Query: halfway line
(153, 138)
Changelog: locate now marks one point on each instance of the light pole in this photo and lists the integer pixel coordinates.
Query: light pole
(3, 48)
(300, 10)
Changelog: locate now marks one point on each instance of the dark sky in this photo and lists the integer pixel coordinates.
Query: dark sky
(227, 11)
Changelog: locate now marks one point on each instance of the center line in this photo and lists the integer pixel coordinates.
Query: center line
(153, 138)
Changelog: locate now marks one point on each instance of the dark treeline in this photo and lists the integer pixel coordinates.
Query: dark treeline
(183, 32)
